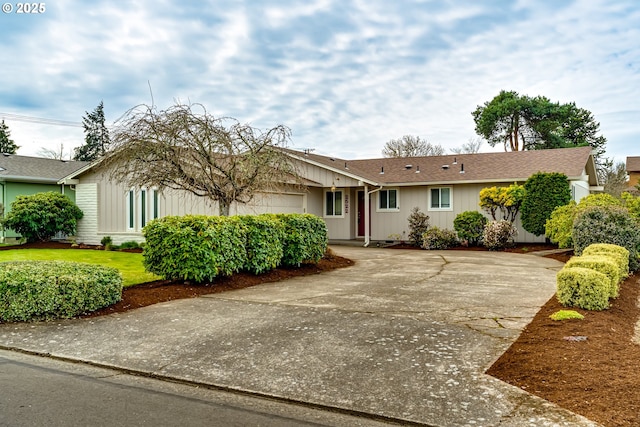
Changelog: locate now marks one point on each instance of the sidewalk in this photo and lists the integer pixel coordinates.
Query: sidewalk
(406, 335)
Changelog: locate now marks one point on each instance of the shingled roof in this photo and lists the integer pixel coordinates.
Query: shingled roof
(35, 169)
(463, 168)
(633, 164)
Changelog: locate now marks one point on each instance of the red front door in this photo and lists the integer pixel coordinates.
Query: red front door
(361, 214)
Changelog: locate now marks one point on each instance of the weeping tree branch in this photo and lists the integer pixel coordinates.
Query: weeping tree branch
(186, 148)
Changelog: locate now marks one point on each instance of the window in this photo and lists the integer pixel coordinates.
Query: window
(156, 205)
(440, 198)
(388, 200)
(333, 203)
(130, 210)
(143, 208)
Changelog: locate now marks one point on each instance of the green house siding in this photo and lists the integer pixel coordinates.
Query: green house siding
(10, 190)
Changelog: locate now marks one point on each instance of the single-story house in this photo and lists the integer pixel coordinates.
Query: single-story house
(24, 175)
(364, 200)
(633, 170)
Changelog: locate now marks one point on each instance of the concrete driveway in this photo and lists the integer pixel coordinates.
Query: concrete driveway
(404, 335)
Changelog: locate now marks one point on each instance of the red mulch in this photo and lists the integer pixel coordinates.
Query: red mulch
(597, 378)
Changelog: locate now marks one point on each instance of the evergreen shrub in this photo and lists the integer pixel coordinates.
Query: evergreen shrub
(197, 248)
(618, 253)
(39, 217)
(470, 226)
(607, 224)
(583, 287)
(264, 245)
(543, 193)
(37, 290)
(601, 264)
(418, 225)
(305, 239)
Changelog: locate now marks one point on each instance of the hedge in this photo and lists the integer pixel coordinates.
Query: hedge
(436, 238)
(37, 290)
(194, 247)
(618, 253)
(264, 243)
(305, 240)
(583, 287)
(601, 264)
(200, 248)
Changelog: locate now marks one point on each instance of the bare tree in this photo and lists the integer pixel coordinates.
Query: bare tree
(186, 148)
(57, 153)
(471, 147)
(411, 146)
(615, 179)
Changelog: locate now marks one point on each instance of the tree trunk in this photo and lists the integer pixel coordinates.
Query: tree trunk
(223, 206)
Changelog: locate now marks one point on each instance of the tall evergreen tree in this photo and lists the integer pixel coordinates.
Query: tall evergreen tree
(6, 143)
(96, 136)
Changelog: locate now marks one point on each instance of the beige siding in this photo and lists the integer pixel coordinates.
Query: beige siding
(327, 178)
(87, 201)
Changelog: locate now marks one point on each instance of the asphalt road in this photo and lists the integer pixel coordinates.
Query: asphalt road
(40, 391)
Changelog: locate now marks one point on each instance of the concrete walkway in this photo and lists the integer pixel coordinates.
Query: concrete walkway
(405, 335)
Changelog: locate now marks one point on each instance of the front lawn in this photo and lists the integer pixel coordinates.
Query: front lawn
(129, 264)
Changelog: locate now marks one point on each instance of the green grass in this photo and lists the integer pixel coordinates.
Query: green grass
(129, 264)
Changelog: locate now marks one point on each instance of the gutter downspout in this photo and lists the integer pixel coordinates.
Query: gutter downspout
(367, 225)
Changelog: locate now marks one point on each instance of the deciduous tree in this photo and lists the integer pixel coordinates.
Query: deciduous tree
(186, 148)
(411, 146)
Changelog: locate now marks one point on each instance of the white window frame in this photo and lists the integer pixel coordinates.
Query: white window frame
(131, 214)
(324, 203)
(388, 209)
(440, 208)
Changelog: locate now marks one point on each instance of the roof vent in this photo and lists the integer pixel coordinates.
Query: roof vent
(417, 169)
(6, 154)
(445, 167)
(345, 166)
(381, 170)
(407, 167)
(461, 167)
(332, 159)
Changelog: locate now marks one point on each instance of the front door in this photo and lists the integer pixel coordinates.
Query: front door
(360, 214)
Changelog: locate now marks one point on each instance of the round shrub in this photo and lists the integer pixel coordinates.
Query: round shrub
(41, 216)
(499, 235)
(607, 224)
(36, 290)
(436, 238)
(619, 254)
(470, 226)
(305, 239)
(198, 248)
(265, 235)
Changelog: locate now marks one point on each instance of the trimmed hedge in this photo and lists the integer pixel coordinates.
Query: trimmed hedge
(618, 253)
(601, 264)
(36, 290)
(544, 191)
(583, 287)
(265, 235)
(305, 240)
(200, 248)
(194, 247)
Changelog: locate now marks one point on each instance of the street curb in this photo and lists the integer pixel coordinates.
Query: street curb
(227, 389)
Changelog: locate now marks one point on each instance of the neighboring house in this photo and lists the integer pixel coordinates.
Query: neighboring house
(23, 176)
(633, 170)
(359, 199)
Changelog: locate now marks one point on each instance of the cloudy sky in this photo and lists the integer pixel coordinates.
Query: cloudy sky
(345, 76)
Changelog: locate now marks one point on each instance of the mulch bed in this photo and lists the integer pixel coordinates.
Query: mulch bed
(598, 378)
